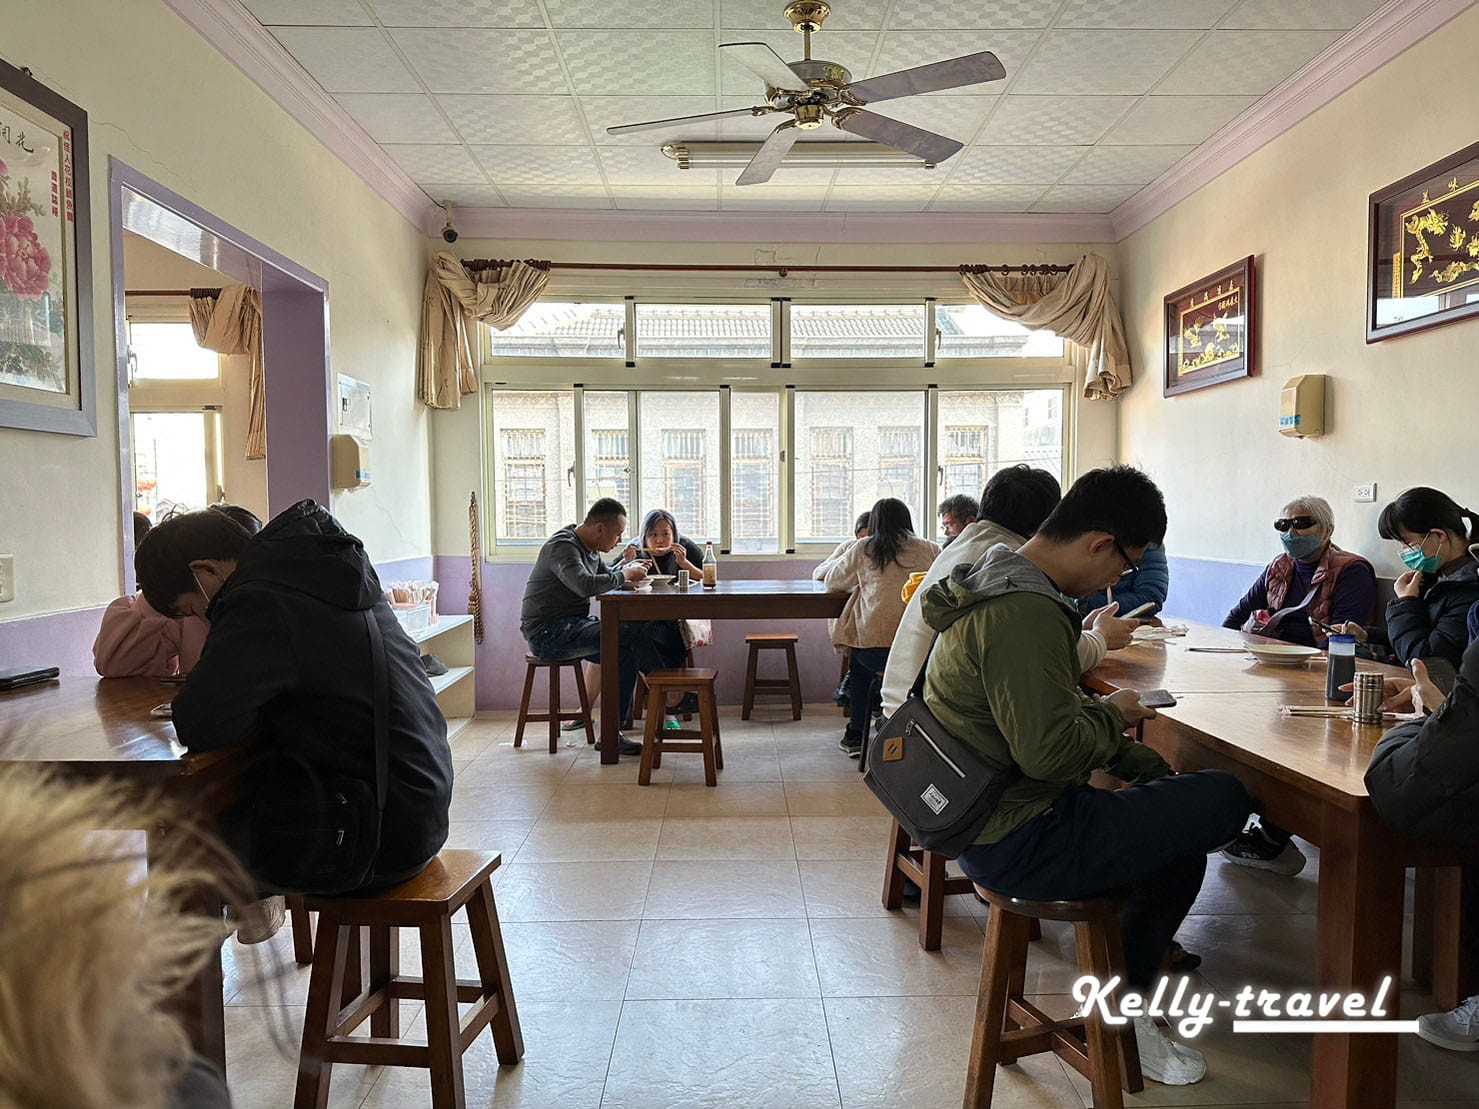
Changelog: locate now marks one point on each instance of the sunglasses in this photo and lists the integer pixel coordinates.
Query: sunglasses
(1298, 523)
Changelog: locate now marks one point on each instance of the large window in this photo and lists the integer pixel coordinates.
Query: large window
(525, 479)
(560, 329)
(983, 430)
(533, 478)
(608, 448)
(965, 460)
(679, 459)
(831, 509)
(973, 331)
(176, 461)
(704, 331)
(168, 352)
(754, 472)
(857, 330)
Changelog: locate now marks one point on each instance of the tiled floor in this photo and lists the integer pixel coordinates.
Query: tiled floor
(681, 946)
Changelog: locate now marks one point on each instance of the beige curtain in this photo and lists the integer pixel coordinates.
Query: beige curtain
(1077, 306)
(454, 300)
(230, 322)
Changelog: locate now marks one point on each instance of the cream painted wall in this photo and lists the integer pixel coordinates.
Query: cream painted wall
(200, 127)
(1401, 411)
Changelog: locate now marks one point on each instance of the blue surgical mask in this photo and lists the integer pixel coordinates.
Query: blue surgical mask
(1300, 547)
(1414, 559)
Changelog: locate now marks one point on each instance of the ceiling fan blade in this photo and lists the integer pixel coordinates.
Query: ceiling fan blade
(971, 69)
(770, 155)
(656, 124)
(765, 63)
(901, 136)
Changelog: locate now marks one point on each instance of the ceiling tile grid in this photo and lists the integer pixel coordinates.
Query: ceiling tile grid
(506, 102)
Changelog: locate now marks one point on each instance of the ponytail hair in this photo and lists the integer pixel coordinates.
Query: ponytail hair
(1421, 509)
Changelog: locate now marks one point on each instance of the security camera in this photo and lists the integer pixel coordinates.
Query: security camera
(449, 233)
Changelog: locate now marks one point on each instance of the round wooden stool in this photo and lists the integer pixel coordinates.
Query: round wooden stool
(771, 687)
(702, 740)
(553, 715)
(1008, 1026)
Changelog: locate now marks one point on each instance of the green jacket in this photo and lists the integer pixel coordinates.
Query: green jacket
(1004, 678)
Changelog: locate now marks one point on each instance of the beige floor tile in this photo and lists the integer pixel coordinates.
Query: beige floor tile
(570, 960)
(1257, 950)
(840, 798)
(591, 840)
(496, 770)
(721, 1054)
(1232, 889)
(1425, 1072)
(897, 1051)
(881, 957)
(500, 800)
(842, 837)
(573, 891)
(715, 889)
(727, 799)
(758, 765)
(815, 761)
(698, 959)
(262, 1044)
(503, 836)
(854, 888)
(726, 837)
(588, 768)
(594, 801)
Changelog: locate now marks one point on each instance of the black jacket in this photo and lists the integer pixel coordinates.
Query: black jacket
(287, 663)
(1424, 776)
(1435, 623)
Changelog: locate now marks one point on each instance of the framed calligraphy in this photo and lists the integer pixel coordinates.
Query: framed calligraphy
(46, 347)
(1423, 254)
(1211, 329)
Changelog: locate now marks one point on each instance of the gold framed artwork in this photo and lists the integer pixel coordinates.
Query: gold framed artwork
(1423, 249)
(46, 348)
(1211, 329)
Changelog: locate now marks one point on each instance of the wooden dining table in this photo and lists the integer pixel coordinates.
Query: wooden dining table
(100, 729)
(755, 599)
(1305, 774)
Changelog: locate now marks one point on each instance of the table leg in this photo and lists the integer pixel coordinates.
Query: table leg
(610, 682)
(1359, 944)
(201, 1003)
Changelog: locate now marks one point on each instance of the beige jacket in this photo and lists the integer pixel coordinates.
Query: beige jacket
(872, 613)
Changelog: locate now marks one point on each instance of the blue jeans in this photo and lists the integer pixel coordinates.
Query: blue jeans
(864, 684)
(1152, 839)
(645, 646)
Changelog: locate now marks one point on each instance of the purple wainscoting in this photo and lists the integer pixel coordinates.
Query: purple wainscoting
(1204, 591)
(500, 659)
(62, 639)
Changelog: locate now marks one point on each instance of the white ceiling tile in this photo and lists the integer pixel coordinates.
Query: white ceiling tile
(1013, 165)
(1085, 198)
(969, 15)
(556, 196)
(310, 13)
(1340, 15)
(915, 176)
(612, 111)
(1102, 62)
(871, 198)
(347, 59)
(1177, 119)
(960, 117)
(792, 176)
(464, 196)
(665, 199)
(987, 198)
(646, 165)
(770, 198)
(630, 13)
(636, 63)
(1245, 62)
(1125, 165)
(397, 117)
(483, 61)
(907, 49)
(849, 49)
(1053, 120)
(451, 165)
(538, 165)
(533, 120)
(458, 13)
(847, 15)
(1146, 14)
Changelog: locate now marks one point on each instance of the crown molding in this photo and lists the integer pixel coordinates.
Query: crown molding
(1381, 37)
(791, 227)
(227, 26)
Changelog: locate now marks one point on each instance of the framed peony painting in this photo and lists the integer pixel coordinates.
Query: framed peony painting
(46, 347)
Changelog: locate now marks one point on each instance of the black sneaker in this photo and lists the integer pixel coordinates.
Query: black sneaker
(911, 891)
(627, 746)
(842, 695)
(852, 744)
(1256, 850)
(688, 706)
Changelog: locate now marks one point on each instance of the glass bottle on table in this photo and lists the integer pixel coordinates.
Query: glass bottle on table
(1342, 671)
(711, 566)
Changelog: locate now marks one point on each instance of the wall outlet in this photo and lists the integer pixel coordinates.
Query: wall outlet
(1365, 494)
(7, 578)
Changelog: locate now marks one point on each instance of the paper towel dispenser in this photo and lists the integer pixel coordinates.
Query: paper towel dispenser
(350, 462)
(1302, 406)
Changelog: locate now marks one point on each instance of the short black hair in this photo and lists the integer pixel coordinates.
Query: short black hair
(1120, 500)
(243, 516)
(963, 507)
(162, 561)
(142, 524)
(861, 523)
(1421, 510)
(1019, 498)
(605, 511)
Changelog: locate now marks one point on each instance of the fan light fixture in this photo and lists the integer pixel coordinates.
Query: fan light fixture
(810, 155)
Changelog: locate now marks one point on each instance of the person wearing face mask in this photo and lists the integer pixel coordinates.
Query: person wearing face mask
(1428, 618)
(1312, 581)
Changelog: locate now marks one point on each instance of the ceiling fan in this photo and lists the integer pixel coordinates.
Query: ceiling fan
(813, 92)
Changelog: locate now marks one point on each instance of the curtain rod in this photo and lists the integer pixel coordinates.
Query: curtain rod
(476, 265)
(169, 292)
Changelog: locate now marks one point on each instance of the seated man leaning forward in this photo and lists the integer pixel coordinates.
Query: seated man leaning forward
(1004, 677)
(556, 618)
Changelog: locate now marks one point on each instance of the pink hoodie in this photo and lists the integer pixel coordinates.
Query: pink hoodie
(134, 641)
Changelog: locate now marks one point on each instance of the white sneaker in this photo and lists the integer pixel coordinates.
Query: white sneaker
(261, 920)
(1163, 1060)
(1457, 1031)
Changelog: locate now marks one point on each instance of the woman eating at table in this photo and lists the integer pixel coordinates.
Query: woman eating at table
(665, 551)
(873, 571)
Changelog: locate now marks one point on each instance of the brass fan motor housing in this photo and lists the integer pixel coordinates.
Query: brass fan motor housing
(807, 15)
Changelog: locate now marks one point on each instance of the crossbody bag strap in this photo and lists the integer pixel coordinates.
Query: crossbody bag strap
(382, 709)
(917, 689)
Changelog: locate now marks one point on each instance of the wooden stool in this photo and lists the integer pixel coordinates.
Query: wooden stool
(1442, 937)
(704, 740)
(337, 1005)
(927, 871)
(639, 699)
(554, 715)
(1008, 1026)
(791, 684)
(302, 925)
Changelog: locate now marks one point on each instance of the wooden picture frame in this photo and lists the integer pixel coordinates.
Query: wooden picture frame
(1422, 262)
(47, 375)
(1212, 329)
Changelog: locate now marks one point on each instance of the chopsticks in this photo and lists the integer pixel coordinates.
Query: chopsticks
(1221, 650)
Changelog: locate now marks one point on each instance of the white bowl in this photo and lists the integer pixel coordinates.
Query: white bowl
(1281, 654)
(659, 578)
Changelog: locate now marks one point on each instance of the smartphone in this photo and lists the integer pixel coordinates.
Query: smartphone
(1157, 699)
(1324, 627)
(174, 679)
(1141, 611)
(21, 677)
(165, 711)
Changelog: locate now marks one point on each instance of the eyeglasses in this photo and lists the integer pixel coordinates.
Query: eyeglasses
(1131, 566)
(1298, 523)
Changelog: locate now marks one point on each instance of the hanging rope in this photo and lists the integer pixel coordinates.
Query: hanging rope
(475, 588)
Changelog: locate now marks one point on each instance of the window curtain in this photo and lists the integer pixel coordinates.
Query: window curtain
(458, 295)
(1077, 306)
(229, 321)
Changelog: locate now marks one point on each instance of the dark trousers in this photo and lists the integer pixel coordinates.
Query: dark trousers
(645, 646)
(1152, 839)
(864, 686)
